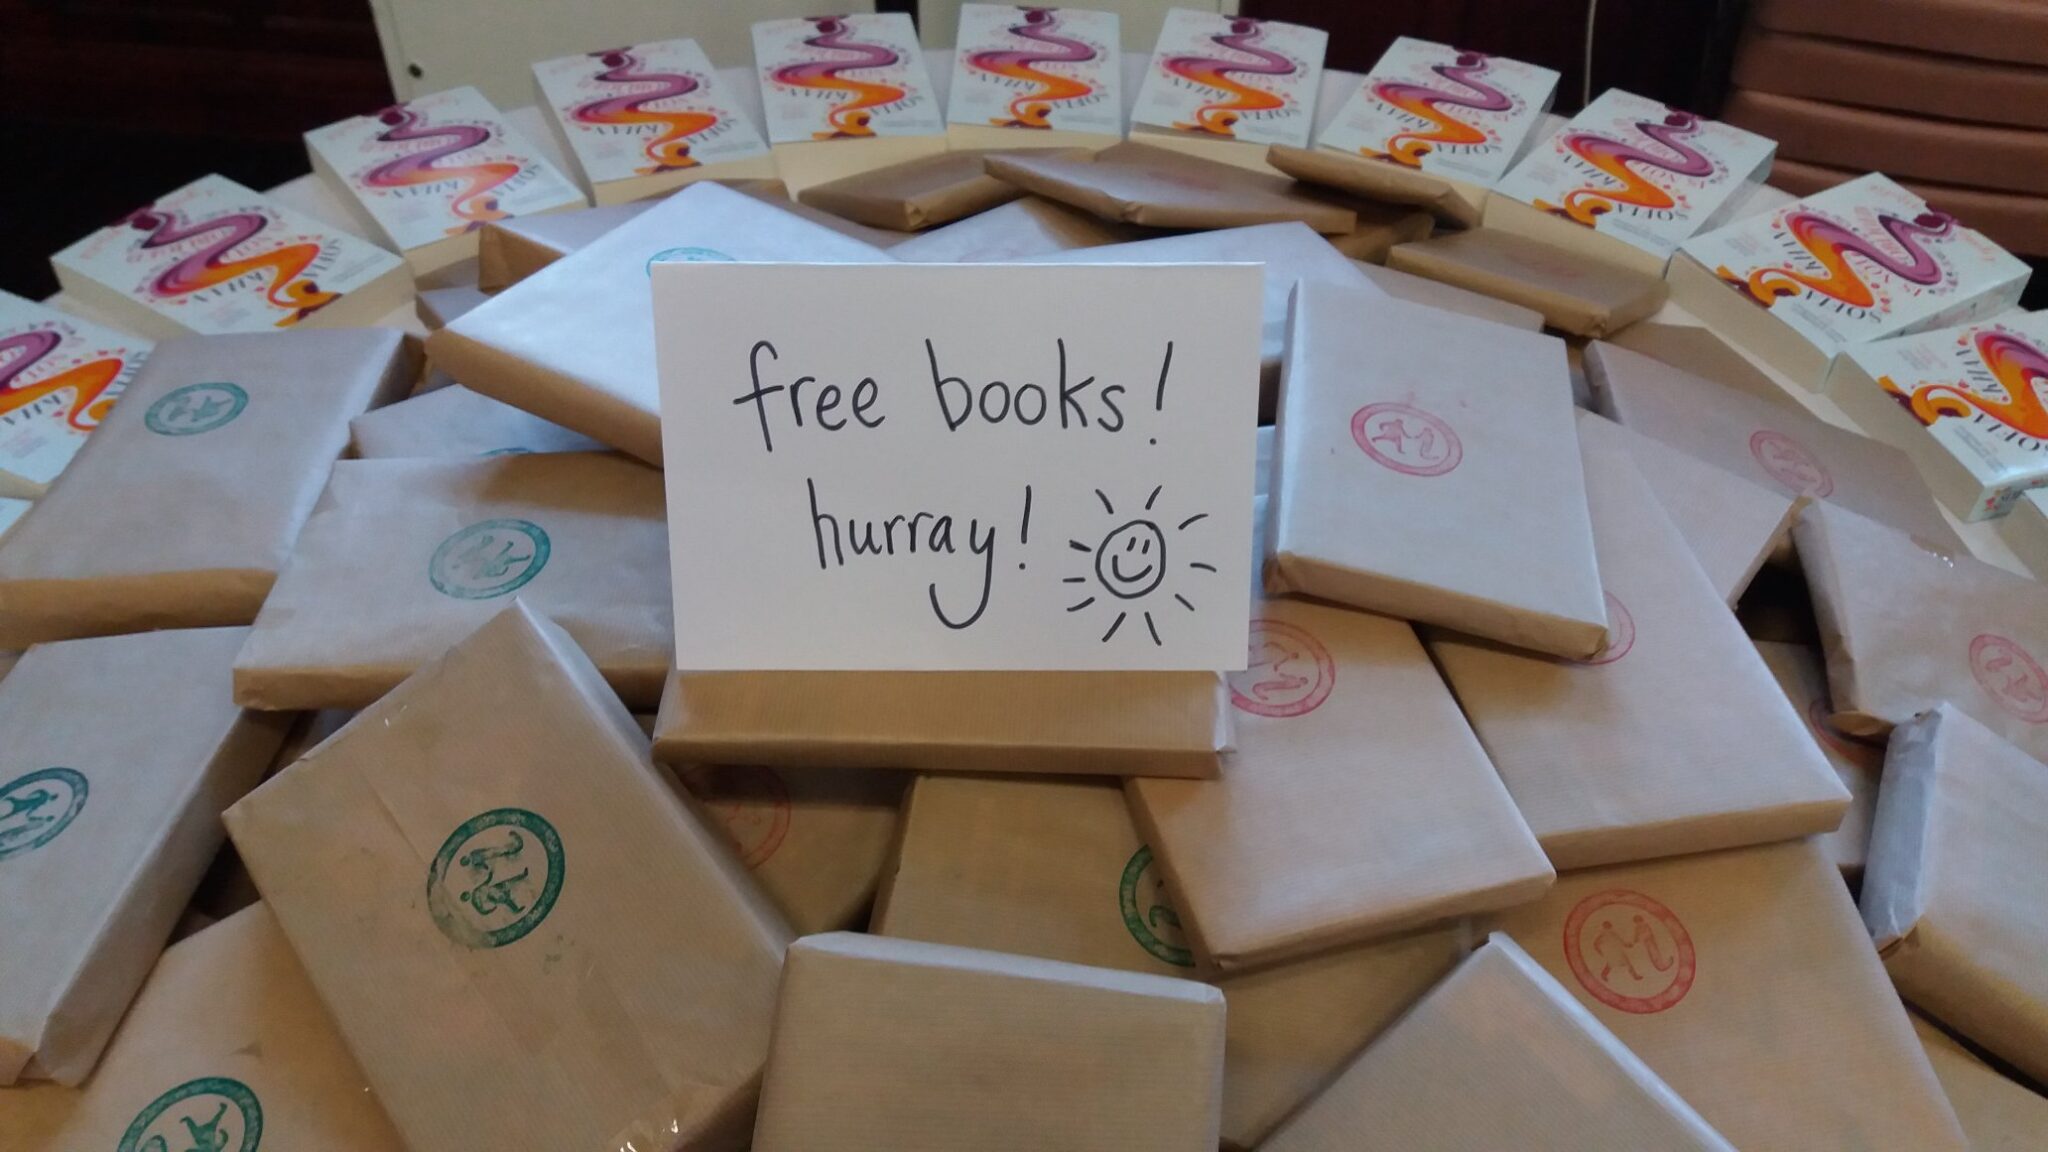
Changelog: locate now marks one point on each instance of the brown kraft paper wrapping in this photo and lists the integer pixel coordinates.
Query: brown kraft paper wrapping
(1674, 738)
(959, 1048)
(1409, 825)
(1054, 868)
(916, 194)
(1451, 298)
(1997, 1114)
(1029, 226)
(1856, 760)
(1778, 445)
(228, 1042)
(1497, 1054)
(403, 558)
(116, 758)
(502, 901)
(1415, 449)
(1906, 629)
(456, 423)
(181, 508)
(1576, 295)
(1158, 188)
(1954, 894)
(1746, 981)
(512, 249)
(1377, 180)
(574, 342)
(1700, 352)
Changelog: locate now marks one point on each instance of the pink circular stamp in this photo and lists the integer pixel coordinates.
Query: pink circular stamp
(1287, 672)
(1791, 464)
(751, 803)
(2011, 675)
(1621, 634)
(1407, 439)
(1629, 951)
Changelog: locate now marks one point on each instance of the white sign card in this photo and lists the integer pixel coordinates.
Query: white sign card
(958, 466)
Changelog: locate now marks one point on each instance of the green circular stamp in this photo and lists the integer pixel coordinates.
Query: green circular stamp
(687, 256)
(37, 807)
(211, 1114)
(488, 559)
(196, 408)
(496, 877)
(1150, 917)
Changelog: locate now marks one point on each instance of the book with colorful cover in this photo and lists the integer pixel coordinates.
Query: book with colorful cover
(214, 257)
(647, 118)
(59, 376)
(1232, 78)
(1633, 170)
(841, 95)
(1446, 112)
(1031, 75)
(428, 173)
(1969, 404)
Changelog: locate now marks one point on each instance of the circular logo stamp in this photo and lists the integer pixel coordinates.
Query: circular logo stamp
(1629, 951)
(1153, 923)
(515, 450)
(36, 808)
(1407, 439)
(1789, 463)
(211, 1114)
(196, 408)
(1287, 672)
(752, 803)
(488, 559)
(495, 878)
(687, 256)
(1621, 634)
(2011, 675)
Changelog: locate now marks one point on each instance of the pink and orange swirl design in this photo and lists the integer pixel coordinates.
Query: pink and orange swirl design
(1620, 161)
(473, 201)
(1033, 109)
(2021, 369)
(670, 148)
(210, 267)
(1832, 244)
(1428, 104)
(1220, 117)
(89, 381)
(855, 116)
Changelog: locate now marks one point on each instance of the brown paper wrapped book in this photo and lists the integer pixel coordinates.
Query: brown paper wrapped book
(1498, 1055)
(1780, 445)
(512, 249)
(31, 1114)
(182, 507)
(1745, 980)
(1856, 760)
(116, 758)
(1954, 894)
(884, 1045)
(1375, 179)
(1027, 226)
(1906, 629)
(1054, 868)
(1574, 294)
(1351, 752)
(816, 841)
(918, 194)
(1140, 184)
(1731, 524)
(1381, 228)
(1997, 1114)
(1451, 298)
(1674, 738)
(504, 904)
(1416, 448)
(438, 306)
(1117, 723)
(574, 343)
(227, 1045)
(456, 423)
(1697, 350)
(403, 558)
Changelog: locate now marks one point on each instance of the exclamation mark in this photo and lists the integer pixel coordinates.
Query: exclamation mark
(1159, 393)
(1024, 533)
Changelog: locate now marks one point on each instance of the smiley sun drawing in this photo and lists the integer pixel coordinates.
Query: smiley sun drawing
(1132, 568)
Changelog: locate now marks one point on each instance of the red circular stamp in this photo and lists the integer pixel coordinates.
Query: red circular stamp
(1287, 672)
(1629, 951)
(1621, 634)
(2011, 675)
(1790, 463)
(751, 803)
(1407, 439)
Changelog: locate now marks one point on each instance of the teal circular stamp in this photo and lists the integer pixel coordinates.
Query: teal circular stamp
(515, 450)
(37, 807)
(496, 877)
(210, 1114)
(1152, 922)
(687, 256)
(196, 408)
(490, 558)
